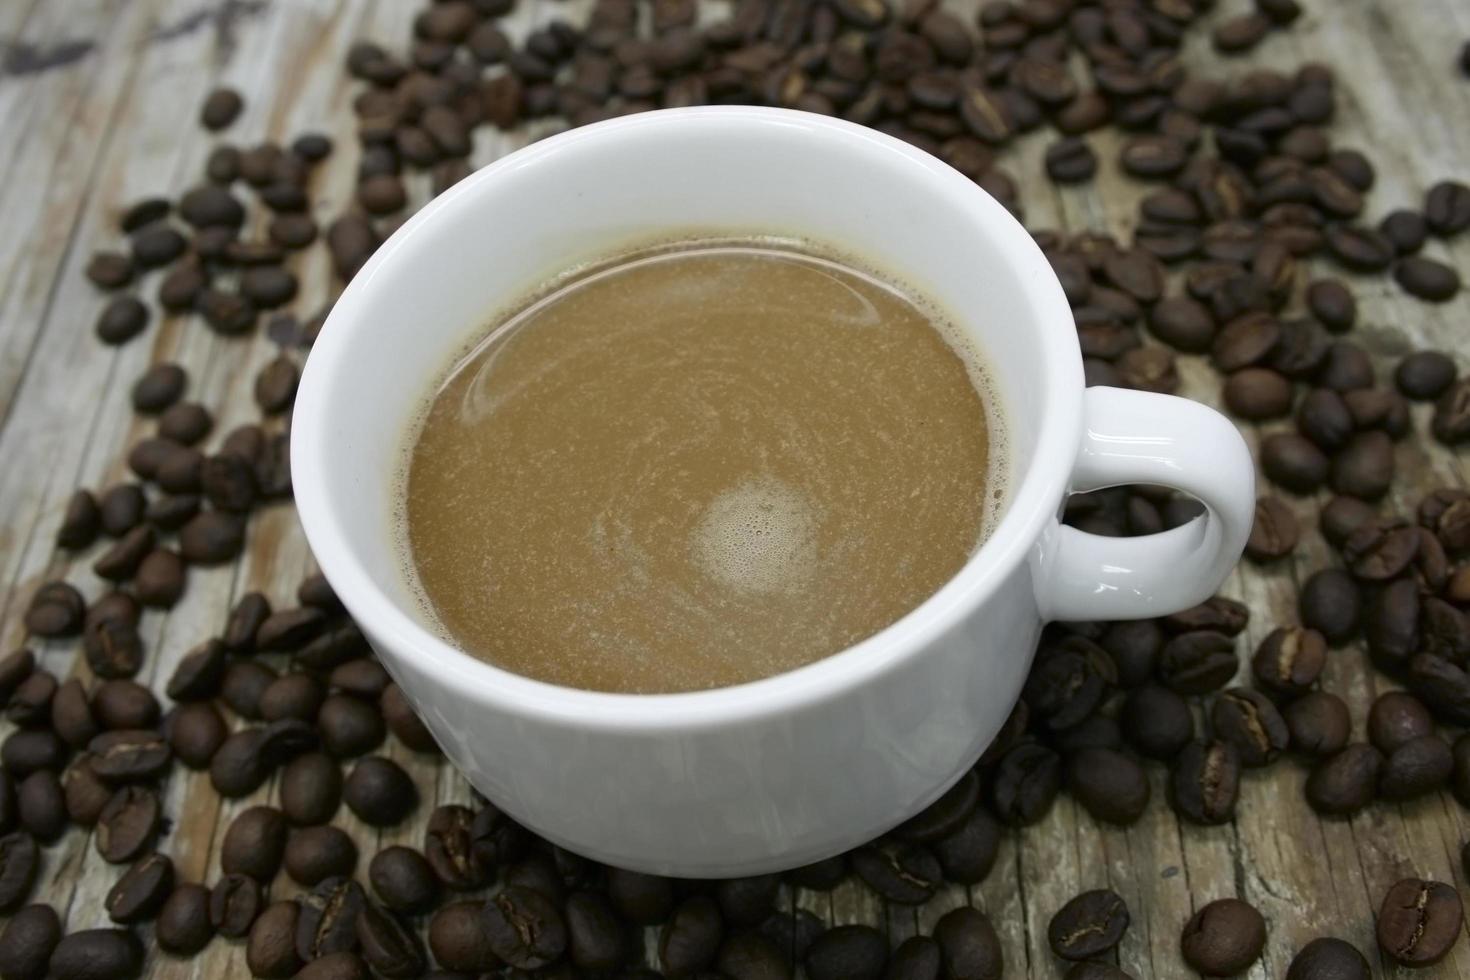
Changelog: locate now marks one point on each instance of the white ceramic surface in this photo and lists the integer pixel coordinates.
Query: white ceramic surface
(800, 766)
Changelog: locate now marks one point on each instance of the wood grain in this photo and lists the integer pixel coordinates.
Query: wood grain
(114, 121)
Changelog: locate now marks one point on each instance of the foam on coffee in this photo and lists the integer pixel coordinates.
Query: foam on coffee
(698, 466)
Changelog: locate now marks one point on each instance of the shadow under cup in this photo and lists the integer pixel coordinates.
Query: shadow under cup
(580, 197)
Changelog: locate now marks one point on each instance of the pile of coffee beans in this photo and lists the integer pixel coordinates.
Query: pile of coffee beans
(1240, 187)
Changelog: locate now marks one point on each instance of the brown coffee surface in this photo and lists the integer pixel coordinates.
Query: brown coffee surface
(697, 468)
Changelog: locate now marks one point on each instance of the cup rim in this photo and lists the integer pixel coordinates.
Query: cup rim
(1034, 496)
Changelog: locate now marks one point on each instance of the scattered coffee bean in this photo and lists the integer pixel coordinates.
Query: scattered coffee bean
(221, 107)
(459, 938)
(1274, 532)
(854, 951)
(403, 880)
(1318, 722)
(1112, 786)
(270, 950)
(1205, 782)
(1088, 925)
(1427, 278)
(1447, 208)
(969, 945)
(1419, 922)
(142, 889)
(1223, 938)
(91, 954)
(1344, 783)
(1329, 959)
(379, 791)
(183, 927)
(27, 942)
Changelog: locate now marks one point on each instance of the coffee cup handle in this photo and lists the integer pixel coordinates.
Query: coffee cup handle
(1136, 437)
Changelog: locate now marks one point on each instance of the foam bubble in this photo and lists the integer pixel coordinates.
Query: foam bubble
(758, 536)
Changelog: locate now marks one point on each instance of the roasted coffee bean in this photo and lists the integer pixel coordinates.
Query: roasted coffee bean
(1379, 552)
(1330, 603)
(238, 767)
(127, 824)
(1447, 208)
(1024, 784)
(1274, 531)
(30, 704)
(1441, 685)
(1396, 718)
(317, 853)
(854, 952)
(141, 890)
(1088, 925)
(160, 579)
(199, 672)
(29, 750)
(1223, 938)
(129, 754)
(297, 696)
(195, 733)
(172, 511)
(1329, 959)
(379, 791)
(967, 855)
(1324, 418)
(1358, 248)
(228, 482)
(1205, 782)
(221, 107)
(907, 876)
(527, 931)
(57, 609)
(311, 788)
(1346, 366)
(234, 903)
(1406, 229)
(157, 245)
(270, 950)
(122, 319)
(1344, 783)
(1063, 688)
(1153, 157)
(969, 945)
(1157, 722)
(1451, 422)
(1111, 786)
(449, 848)
(1342, 516)
(211, 538)
(1293, 462)
(1418, 766)
(41, 806)
(403, 880)
(254, 843)
(289, 629)
(1182, 323)
(71, 714)
(404, 722)
(119, 704)
(85, 793)
(19, 858)
(350, 726)
(183, 927)
(1251, 724)
(1419, 922)
(363, 678)
(1424, 375)
(120, 562)
(94, 954)
(1318, 723)
(80, 521)
(245, 619)
(916, 958)
(1216, 613)
(185, 423)
(1197, 662)
(211, 206)
(244, 684)
(1070, 161)
(335, 966)
(28, 941)
(109, 270)
(15, 667)
(1427, 278)
(1330, 301)
(459, 938)
(1258, 394)
(392, 949)
(328, 920)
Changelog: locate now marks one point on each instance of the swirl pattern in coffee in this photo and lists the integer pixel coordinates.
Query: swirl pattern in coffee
(697, 467)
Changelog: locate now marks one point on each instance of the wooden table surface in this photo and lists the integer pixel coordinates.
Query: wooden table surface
(98, 101)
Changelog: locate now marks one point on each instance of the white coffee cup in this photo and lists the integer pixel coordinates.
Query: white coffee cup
(803, 765)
